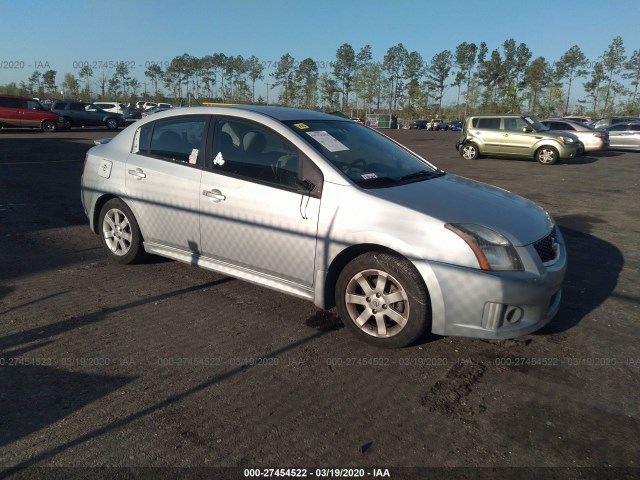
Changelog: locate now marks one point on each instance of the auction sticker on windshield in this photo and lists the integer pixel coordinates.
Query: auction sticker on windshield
(328, 141)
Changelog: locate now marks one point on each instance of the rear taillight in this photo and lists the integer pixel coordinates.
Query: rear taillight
(601, 135)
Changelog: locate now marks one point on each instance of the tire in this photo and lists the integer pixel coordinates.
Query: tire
(382, 300)
(49, 126)
(120, 233)
(111, 124)
(469, 151)
(65, 123)
(547, 155)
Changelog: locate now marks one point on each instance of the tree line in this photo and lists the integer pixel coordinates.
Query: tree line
(506, 79)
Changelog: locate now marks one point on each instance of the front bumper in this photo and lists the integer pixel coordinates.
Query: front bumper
(495, 305)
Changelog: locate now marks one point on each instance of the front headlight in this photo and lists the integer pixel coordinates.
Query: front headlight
(565, 140)
(493, 250)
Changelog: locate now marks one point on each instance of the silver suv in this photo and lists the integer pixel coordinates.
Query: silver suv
(514, 136)
(322, 208)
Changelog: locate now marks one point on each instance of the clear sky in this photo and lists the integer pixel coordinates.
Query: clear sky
(58, 34)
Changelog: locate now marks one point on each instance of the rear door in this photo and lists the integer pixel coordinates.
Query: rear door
(488, 133)
(10, 112)
(618, 136)
(163, 180)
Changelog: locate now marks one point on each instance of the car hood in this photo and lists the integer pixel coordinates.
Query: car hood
(454, 199)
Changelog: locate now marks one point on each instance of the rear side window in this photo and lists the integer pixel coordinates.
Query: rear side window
(61, 105)
(489, 123)
(621, 127)
(10, 102)
(176, 139)
(77, 107)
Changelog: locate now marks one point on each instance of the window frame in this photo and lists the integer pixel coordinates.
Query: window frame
(203, 141)
(305, 164)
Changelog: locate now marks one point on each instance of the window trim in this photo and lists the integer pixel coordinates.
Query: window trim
(304, 162)
(201, 157)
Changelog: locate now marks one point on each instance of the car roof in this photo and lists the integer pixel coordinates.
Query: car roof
(277, 113)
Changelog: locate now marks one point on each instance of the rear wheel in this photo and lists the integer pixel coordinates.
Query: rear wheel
(547, 155)
(382, 299)
(112, 124)
(65, 123)
(469, 151)
(120, 233)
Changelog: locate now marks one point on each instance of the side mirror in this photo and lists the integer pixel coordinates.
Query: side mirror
(527, 129)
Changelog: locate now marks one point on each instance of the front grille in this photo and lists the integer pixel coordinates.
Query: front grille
(545, 249)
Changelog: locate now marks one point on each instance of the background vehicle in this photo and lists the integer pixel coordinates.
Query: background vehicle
(75, 113)
(113, 107)
(607, 122)
(437, 124)
(418, 125)
(153, 110)
(625, 136)
(514, 136)
(165, 105)
(143, 105)
(454, 125)
(25, 112)
(592, 140)
(248, 182)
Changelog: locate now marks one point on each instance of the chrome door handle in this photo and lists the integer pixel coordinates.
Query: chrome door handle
(138, 173)
(215, 195)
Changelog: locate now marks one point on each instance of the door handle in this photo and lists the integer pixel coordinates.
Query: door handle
(215, 195)
(138, 173)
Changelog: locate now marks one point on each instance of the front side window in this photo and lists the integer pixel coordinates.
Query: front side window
(33, 105)
(365, 156)
(514, 124)
(250, 150)
(176, 139)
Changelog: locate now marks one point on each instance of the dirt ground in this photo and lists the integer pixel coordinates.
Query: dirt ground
(166, 365)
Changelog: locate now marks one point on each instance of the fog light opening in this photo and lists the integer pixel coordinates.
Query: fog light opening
(513, 315)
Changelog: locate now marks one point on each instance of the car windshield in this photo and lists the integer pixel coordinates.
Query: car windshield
(368, 158)
(535, 123)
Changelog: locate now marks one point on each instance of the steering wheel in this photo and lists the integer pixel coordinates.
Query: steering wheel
(357, 161)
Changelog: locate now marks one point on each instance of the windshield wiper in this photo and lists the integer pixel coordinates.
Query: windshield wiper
(422, 174)
(377, 182)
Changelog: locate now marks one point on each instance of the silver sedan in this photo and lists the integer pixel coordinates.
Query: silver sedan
(625, 136)
(592, 140)
(325, 209)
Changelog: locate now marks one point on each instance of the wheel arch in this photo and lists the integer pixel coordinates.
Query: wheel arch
(347, 255)
(100, 202)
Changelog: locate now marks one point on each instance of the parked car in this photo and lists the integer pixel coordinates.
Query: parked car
(279, 197)
(607, 122)
(74, 113)
(113, 107)
(579, 119)
(436, 124)
(592, 140)
(165, 105)
(454, 125)
(153, 110)
(142, 105)
(25, 112)
(625, 136)
(132, 116)
(514, 136)
(418, 125)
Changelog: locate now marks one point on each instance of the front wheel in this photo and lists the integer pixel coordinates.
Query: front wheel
(469, 151)
(49, 126)
(547, 155)
(120, 233)
(382, 299)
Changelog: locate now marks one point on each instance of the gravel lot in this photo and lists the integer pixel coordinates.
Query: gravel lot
(166, 365)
